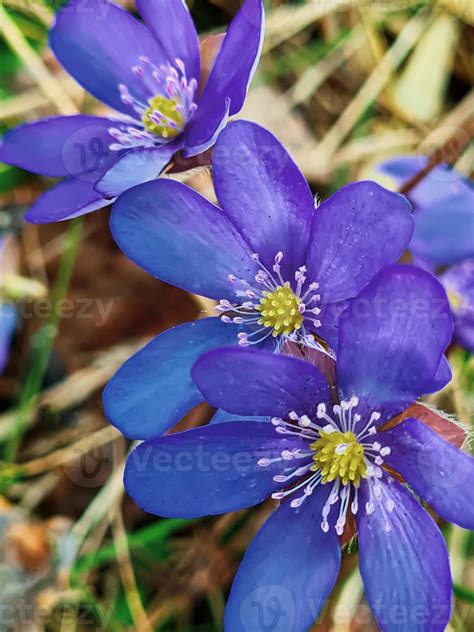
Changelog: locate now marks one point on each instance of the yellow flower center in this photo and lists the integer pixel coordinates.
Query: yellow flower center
(454, 299)
(169, 113)
(339, 455)
(280, 310)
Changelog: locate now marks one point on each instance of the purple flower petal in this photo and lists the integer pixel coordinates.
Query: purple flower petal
(444, 231)
(69, 198)
(153, 390)
(237, 59)
(424, 264)
(464, 334)
(264, 194)
(222, 417)
(329, 318)
(61, 146)
(287, 572)
(172, 25)
(248, 382)
(178, 236)
(391, 340)
(356, 232)
(204, 128)
(227, 85)
(458, 281)
(135, 167)
(404, 564)
(440, 183)
(8, 320)
(208, 470)
(437, 471)
(442, 377)
(99, 44)
(402, 168)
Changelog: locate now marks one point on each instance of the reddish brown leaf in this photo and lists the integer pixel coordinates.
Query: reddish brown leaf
(436, 420)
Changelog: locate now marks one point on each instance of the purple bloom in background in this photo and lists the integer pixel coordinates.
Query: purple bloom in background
(282, 269)
(149, 74)
(8, 319)
(325, 460)
(458, 281)
(444, 233)
(444, 205)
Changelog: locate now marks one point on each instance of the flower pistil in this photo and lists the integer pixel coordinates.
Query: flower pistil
(163, 118)
(280, 310)
(339, 455)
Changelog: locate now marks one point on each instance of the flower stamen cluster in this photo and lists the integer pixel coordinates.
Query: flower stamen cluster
(280, 310)
(274, 306)
(163, 118)
(339, 454)
(165, 115)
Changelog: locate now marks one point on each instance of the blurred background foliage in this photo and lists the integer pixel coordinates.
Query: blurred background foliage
(343, 83)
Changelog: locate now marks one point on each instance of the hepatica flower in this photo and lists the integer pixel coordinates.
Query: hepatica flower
(281, 269)
(8, 316)
(444, 233)
(8, 320)
(149, 75)
(326, 460)
(458, 281)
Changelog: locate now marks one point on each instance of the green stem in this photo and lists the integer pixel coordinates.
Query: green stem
(44, 341)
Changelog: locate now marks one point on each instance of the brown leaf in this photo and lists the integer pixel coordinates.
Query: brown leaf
(438, 421)
(209, 46)
(30, 546)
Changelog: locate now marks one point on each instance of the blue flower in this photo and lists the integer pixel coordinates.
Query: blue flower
(458, 281)
(282, 269)
(444, 205)
(8, 318)
(149, 74)
(444, 233)
(326, 457)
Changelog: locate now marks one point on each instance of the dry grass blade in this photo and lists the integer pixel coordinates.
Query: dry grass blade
(286, 21)
(71, 453)
(430, 65)
(164, 611)
(47, 82)
(448, 152)
(347, 603)
(369, 91)
(23, 104)
(127, 574)
(110, 494)
(77, 387)
(316, 75)
(360, 149)
(459, 8)
(33, 7)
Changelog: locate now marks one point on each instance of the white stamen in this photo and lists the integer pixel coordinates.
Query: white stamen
(299, 464)
(268, 280)
(164, 81)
